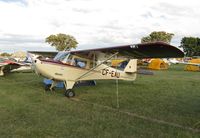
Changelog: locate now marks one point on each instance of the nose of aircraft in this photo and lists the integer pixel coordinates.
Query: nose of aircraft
(41, 69)
(35, 66)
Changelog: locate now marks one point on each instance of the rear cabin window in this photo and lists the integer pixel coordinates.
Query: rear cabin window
(80, 63)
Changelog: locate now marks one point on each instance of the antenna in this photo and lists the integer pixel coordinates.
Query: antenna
(117, 89)
(117, 92)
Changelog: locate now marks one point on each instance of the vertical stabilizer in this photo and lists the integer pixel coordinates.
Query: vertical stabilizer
(131, 66)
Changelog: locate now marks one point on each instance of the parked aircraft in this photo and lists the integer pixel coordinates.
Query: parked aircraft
(8, 65)
(173, 61)
(73, 66)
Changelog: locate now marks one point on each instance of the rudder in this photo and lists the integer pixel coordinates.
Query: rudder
(131, 66)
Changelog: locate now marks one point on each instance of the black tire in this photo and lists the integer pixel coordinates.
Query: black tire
(69, 93)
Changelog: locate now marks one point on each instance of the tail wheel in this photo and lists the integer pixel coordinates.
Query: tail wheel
(69, 93)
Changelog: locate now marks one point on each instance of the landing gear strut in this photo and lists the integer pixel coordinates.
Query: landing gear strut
(68, 86)
(50, 87)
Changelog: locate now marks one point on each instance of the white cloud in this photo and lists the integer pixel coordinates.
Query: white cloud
(25, 24)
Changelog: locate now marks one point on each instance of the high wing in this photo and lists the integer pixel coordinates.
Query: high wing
(139, 51)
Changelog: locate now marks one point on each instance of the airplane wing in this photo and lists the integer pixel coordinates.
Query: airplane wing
(7, 67)
(139, 51)
(1, 65)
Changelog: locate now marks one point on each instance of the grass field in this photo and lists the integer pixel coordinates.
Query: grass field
(166, 104)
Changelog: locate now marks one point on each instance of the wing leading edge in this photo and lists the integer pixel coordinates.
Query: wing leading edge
(146, 50)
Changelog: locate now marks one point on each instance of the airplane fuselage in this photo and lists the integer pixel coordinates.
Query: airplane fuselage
(63, 72)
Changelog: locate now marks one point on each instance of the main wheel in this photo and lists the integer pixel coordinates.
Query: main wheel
(69, 93)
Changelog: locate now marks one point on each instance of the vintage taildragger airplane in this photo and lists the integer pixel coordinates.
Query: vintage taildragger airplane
(74, 66)
(7, 65)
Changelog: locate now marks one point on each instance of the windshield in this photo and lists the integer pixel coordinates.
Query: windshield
(61, 56)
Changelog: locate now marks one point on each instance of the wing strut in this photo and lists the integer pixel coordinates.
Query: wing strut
(96, 66)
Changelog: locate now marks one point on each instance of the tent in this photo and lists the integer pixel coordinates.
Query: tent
(116, 62)
(157, 64)
(19, 55)
(192, 67)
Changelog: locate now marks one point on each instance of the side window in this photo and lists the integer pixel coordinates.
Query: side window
(80, 63)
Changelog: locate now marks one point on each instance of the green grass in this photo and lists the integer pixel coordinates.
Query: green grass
(166, 104)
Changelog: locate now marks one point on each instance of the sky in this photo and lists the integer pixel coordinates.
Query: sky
(24, 24)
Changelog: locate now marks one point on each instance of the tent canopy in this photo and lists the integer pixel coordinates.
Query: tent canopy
(193, 67)
(157, 64)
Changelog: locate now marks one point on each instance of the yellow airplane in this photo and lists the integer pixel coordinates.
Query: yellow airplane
(74, 66)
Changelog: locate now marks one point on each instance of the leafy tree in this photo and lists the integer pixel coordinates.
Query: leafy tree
(5, 54)
(158, 36)
(62, 41)
(191, 46)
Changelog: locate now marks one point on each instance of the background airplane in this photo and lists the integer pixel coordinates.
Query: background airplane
(8, 65)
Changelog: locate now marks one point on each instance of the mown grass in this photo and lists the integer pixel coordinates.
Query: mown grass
(170, 96)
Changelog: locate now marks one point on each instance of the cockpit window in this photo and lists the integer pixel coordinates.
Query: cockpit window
(61, 56)
(71, 59)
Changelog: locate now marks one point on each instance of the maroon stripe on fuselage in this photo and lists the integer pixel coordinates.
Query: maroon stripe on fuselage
(49, 61)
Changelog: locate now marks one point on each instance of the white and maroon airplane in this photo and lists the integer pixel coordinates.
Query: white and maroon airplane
(73, 66)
